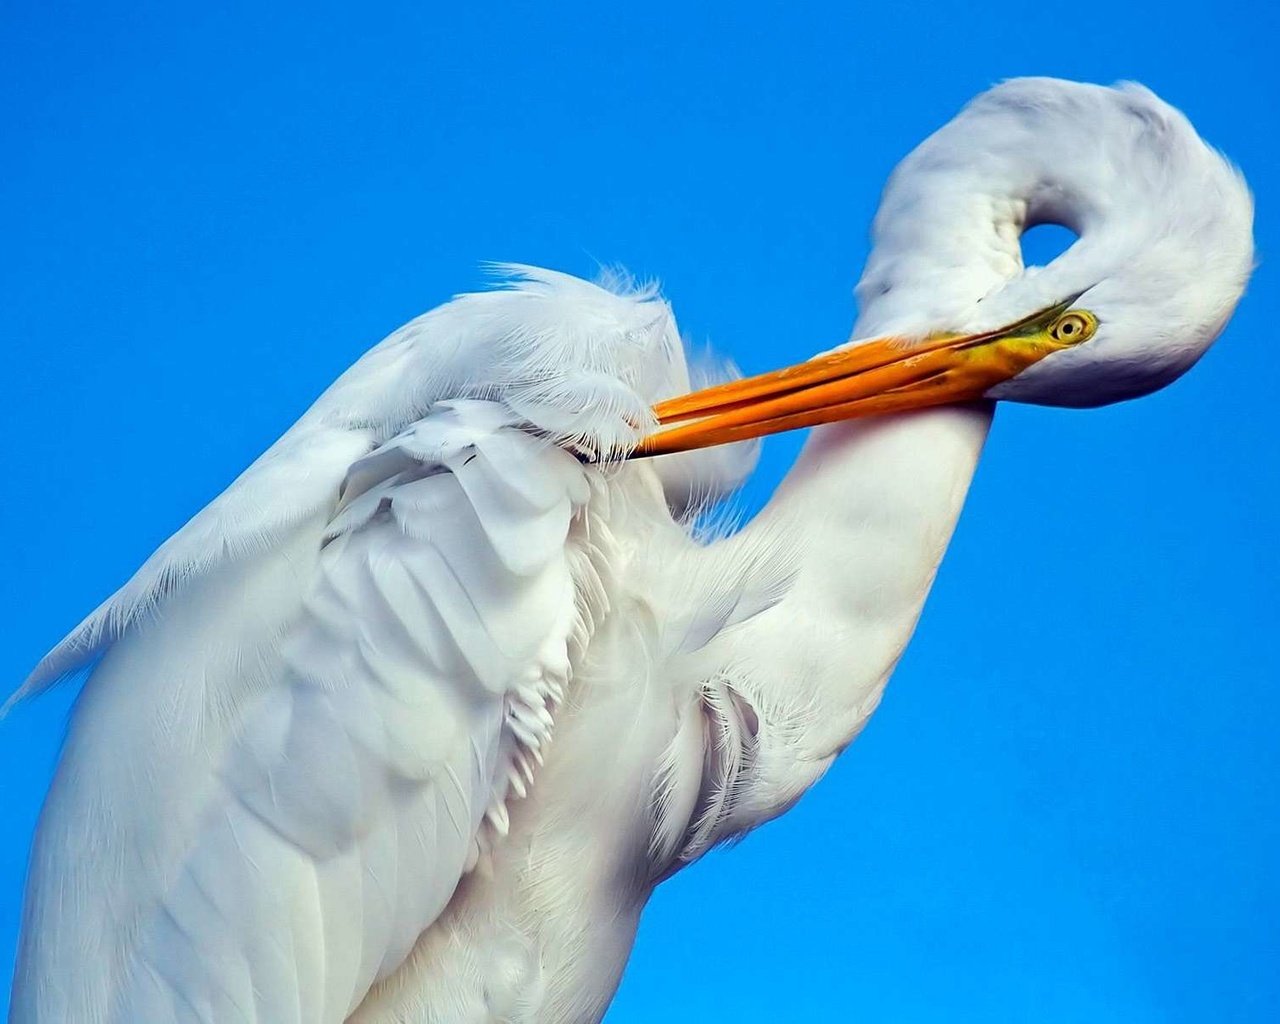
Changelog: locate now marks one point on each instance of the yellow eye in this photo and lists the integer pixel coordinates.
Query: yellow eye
(1073, 327)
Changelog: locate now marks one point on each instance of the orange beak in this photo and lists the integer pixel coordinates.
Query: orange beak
(871, 378)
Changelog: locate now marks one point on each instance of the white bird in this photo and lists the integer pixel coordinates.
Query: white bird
(408, 723)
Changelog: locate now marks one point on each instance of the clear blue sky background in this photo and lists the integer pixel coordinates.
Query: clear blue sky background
(1065, 809)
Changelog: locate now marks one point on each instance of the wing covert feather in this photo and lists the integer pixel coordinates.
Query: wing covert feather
(425, 663)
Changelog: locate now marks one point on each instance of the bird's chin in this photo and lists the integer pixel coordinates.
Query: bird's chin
(1086, 378)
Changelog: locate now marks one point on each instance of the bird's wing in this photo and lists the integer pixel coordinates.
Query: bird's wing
(580, 362)
(413, 688)
(308, 701)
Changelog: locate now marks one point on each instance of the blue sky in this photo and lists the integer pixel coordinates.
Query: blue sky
(1065, 809)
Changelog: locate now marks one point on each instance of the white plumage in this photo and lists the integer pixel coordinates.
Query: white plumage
(329, 685)
(407, 724)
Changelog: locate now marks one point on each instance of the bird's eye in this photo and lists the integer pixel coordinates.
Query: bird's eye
(1073, 327)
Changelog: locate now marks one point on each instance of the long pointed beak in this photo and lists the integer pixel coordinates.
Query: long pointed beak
(884, 375)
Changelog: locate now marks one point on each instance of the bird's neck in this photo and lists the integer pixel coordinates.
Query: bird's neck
(872, 506)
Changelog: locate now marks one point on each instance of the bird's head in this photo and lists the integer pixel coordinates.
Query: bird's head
(948, 311)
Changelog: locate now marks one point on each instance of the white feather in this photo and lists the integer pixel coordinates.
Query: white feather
(407, 724)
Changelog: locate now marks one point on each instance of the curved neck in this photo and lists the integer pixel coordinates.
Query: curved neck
(870, 506)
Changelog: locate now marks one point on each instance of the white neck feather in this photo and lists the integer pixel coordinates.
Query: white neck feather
(1156, 210)
(872, 504)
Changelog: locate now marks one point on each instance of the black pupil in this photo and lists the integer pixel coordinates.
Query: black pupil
(1068, 328)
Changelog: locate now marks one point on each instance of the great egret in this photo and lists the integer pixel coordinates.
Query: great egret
(408, 723)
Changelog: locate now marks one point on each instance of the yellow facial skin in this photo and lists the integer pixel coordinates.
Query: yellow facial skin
(884, 375)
